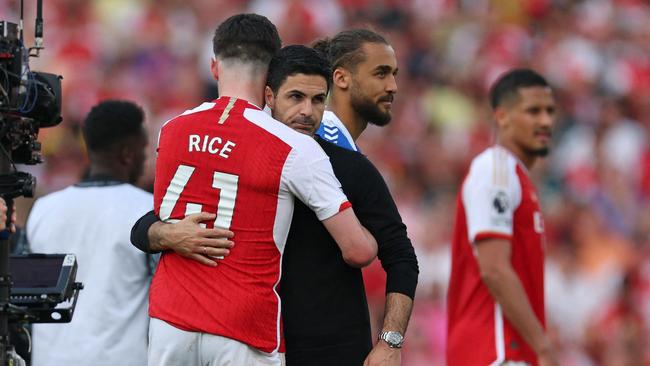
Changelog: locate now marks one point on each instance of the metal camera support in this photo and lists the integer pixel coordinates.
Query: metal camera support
(5, 276)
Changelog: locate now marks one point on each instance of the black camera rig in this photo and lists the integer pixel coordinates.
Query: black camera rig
(29, 101)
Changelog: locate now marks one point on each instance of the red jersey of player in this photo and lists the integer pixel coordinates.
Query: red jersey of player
(231, 158)
(497, 200)
(496, 290)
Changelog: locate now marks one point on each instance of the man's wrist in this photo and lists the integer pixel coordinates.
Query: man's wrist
(156, 235)
(393, 339)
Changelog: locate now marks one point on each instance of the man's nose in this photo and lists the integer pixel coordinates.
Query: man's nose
(547, 119)
(306, 108)
(391, 84)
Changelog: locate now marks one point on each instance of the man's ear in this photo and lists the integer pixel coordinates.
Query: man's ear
(341, 78)
(269, 98)
(501, 117)
(125, 154)
(214, 68)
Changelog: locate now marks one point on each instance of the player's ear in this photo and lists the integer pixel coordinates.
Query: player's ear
(341, 78)
(269, 98)
(214, 68)
(125, 153)
(501, 117)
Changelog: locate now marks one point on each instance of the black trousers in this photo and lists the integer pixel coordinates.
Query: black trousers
(349, 354)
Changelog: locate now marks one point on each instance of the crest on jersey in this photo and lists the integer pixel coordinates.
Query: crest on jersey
(500, 203)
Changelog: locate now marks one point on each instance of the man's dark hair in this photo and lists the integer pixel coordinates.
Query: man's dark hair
(109, 122)
(297, 59)
(246, 37)
(344, 49)
(508, 85)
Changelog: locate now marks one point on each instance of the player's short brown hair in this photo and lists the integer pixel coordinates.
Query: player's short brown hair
(247, 38)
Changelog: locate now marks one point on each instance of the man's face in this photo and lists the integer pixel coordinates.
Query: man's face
(527, 121)
(299, 102)
(373, 84)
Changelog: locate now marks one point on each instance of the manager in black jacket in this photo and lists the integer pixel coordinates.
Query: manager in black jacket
(324, 308)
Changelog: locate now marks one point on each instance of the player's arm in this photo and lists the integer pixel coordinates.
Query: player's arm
(490, 195)
(309, 177)
(186, 237)
(397, 313)
(358, 246)
(377, 211)
(500, 278)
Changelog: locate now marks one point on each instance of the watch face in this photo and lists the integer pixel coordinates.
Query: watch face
(394, 337)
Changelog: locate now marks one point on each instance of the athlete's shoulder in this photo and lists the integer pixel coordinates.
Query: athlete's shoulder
(331, 127)
(48, 199)
(495, 164)
(191, 114)
(296, 140)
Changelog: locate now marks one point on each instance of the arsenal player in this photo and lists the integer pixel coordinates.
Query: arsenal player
(496, 291)
(231, 159)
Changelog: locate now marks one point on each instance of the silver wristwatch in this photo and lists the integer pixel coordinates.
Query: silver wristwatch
(394, 339)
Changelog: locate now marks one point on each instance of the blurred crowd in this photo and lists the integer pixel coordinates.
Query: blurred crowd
(595, 185)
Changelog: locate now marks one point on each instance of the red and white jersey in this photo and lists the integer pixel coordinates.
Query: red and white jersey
(231, 158)
(497, 200)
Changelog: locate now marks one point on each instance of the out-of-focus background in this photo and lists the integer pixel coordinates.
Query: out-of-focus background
(595, 185)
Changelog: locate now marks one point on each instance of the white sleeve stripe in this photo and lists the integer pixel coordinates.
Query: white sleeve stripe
(500, 167)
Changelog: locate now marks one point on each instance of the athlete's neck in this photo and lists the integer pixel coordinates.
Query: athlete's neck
(526, 158)
(342, 108)
(242, 83)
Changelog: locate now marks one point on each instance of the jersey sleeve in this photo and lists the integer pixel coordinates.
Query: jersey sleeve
(491, 193)
(309, 176)
(376, 210)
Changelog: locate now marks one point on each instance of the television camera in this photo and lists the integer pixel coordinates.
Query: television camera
(29, 100)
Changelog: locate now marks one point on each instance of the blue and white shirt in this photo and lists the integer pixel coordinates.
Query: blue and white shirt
(333, 130)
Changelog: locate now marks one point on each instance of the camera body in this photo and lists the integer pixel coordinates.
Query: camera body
(28, 100)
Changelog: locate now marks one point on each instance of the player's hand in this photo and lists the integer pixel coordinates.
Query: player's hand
(382, 355)
(190, 240)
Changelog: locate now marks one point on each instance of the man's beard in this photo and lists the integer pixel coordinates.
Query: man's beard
(369, 110)
(541, 152)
